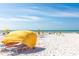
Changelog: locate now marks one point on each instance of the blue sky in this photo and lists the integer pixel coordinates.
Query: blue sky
(39, 16)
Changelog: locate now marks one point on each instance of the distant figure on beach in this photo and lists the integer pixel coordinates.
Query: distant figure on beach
(40, 33)
(5, 31)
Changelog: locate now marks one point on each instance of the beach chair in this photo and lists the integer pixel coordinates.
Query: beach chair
(19, 47)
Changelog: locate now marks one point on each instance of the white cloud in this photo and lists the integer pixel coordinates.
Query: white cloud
(70, 12)
(22, 18)
(11, 19)
(56, 13)
(31, 17)
(52, 13)
(64, 14)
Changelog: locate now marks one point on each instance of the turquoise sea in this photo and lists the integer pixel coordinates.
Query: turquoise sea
(49, 30)
(56, 30)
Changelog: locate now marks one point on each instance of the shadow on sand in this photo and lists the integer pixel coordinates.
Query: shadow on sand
(37, 49)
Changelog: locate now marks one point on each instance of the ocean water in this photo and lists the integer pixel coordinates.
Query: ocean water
(48, 31)
(56, 30)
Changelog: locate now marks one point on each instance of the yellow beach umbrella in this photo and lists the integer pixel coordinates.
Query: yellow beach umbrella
(25, 37)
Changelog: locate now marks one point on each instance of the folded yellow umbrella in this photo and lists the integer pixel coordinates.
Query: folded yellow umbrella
(25, 37)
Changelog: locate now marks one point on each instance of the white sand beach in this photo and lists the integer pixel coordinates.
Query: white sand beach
(54, 44)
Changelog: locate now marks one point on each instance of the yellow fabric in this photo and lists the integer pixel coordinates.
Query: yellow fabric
(25, 37)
